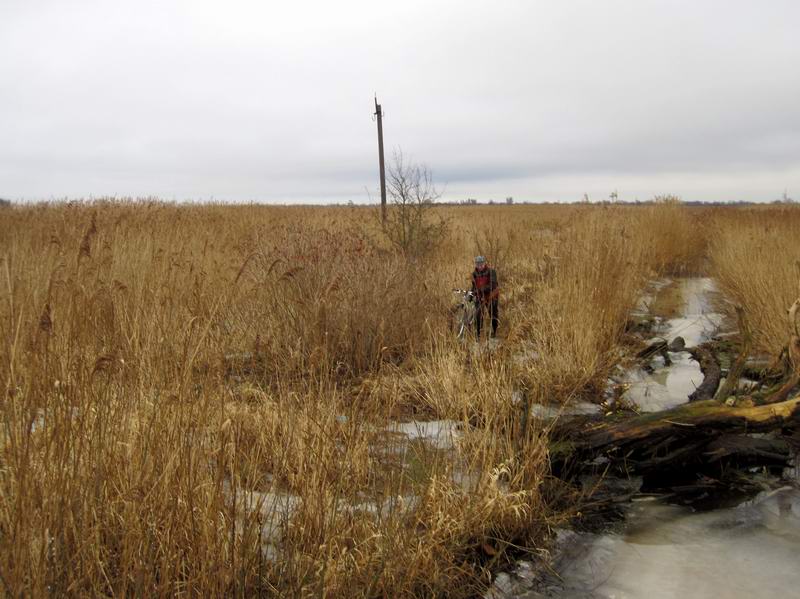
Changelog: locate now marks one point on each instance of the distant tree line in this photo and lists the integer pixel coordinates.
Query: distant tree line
(656, 200)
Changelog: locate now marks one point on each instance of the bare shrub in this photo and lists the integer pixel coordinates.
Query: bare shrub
(411, 225)
(496, 242)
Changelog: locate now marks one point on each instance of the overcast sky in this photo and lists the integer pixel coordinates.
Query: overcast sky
(272, 101)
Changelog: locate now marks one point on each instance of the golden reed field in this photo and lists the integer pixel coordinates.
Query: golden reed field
(209, 400)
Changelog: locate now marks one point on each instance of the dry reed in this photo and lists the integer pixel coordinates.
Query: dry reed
(756, 257)
(199, 399)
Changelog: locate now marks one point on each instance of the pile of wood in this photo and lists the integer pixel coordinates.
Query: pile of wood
(712, 428)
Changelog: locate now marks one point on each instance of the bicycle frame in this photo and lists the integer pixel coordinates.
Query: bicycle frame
(464, 312)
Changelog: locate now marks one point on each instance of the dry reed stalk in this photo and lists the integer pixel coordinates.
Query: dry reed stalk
(753, 253)
(143, 452)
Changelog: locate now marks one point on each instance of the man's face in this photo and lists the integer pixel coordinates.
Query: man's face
(481, 266)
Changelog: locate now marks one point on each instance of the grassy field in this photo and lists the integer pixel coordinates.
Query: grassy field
(756, 258)
(204, 399)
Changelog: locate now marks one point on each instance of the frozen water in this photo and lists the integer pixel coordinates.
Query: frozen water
(275, 508)
(666, 387)
(441, 434)
(668, 551)
(576, 408)
(649, 295)
(550, 411)
(698, 321)
(748, 551)
(671, 386)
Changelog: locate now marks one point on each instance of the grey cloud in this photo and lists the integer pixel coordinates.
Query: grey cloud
(255, 100)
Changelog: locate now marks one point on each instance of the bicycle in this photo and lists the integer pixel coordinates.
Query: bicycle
(463, 313)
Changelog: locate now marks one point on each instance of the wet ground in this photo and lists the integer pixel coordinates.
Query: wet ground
(665, 551)
(413, 447)
(668, 386)
(747, 550)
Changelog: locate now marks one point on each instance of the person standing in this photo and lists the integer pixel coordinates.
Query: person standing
(484, 286)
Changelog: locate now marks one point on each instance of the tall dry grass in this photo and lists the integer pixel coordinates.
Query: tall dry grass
(755, 257)
(199, 400)
(676, 237)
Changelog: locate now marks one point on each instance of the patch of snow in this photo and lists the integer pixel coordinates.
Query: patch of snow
(577, 408)
(275, 508)
(440, 434)
(667, 386)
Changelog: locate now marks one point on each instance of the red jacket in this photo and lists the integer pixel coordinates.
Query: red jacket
(484, 282)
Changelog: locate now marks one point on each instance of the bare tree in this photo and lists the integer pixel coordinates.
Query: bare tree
(411, 225)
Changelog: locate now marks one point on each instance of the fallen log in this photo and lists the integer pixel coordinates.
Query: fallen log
(656, 346)
(686, 420)
(672, 438)
(705, 440)
(760, 448)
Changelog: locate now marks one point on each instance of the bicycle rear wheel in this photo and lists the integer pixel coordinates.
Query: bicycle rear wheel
(464, 321)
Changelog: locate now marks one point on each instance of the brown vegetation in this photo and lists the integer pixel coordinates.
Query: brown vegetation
(755, 257)
(200, 400)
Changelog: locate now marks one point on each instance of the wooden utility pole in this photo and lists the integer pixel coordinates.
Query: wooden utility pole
(379, 114)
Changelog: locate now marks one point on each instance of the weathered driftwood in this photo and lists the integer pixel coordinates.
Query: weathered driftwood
(793, 367)
(762, 371)
(712, 373)
(790, 353)
(682, 435)
(737, 368)
(760, 448)
(694, 435)
(656, 346)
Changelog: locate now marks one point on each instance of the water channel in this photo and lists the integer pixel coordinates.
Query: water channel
(663, 551)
